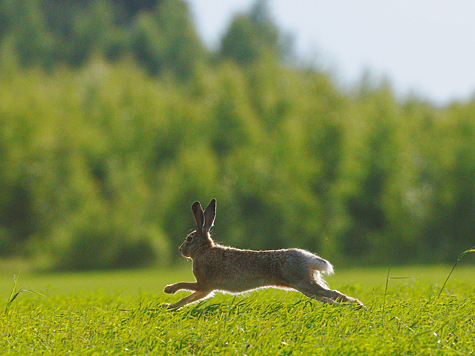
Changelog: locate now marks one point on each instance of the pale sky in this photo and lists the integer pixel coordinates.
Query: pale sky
(422, 46)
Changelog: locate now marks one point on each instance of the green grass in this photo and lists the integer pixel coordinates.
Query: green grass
(120, 313)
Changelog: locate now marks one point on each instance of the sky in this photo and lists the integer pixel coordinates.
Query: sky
(424, 47)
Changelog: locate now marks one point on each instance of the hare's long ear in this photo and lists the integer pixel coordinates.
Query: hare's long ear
(198, 216)
(210, 214)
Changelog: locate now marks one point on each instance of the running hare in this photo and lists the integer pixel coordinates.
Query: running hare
(230, 269)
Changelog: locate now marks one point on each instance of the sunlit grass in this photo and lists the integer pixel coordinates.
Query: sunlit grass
(121, 313)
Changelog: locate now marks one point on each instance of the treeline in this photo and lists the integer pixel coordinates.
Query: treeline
(101, 159)
(159, 35)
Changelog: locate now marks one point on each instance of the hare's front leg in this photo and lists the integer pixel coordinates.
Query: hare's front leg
(173, 288)
(189, 299)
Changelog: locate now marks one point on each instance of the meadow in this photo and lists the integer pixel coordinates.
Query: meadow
(120, 313)
(115, 118)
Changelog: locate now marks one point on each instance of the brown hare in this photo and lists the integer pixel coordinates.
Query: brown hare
(218, 267)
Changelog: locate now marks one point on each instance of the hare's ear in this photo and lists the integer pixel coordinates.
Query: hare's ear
(210, 214)
(198, 216)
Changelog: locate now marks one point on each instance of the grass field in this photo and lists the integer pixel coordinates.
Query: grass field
(120, 313)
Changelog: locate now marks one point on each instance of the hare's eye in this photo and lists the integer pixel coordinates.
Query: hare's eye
(189, 238)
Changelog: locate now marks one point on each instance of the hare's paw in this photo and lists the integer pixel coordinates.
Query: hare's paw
(359, 305)
(170, 289)
(169, 306)
(355, 303)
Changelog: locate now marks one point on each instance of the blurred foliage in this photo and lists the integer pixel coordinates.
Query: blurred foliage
(114, 119)
(158, 34)
(253, 36)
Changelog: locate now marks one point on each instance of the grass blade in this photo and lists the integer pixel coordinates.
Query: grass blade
(455, 265)
(384, 297)
(14, 295)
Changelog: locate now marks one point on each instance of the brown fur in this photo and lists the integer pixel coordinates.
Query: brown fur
(218, 267)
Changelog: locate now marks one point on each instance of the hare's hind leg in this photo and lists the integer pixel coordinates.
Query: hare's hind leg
(313, 289)
(189, 299)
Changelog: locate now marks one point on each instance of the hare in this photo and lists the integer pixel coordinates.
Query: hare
(218, 267)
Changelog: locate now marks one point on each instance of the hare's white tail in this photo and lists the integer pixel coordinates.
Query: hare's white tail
(317, 263)
(322, 265)
(319, 266)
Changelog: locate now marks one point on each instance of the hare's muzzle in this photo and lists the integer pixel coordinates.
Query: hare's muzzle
(181, 248)
(184, 250)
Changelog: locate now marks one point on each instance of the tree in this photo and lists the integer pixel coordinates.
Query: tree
(254, 36)
(158, 33)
